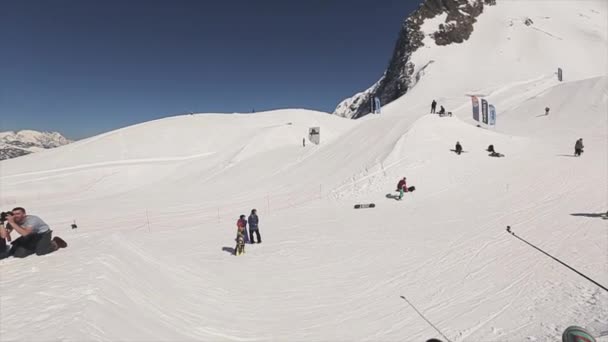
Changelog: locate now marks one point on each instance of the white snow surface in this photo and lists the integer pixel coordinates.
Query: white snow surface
(156, 206)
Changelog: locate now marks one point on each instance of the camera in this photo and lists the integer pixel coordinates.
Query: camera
(4, 215)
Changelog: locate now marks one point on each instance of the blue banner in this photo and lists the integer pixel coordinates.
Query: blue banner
(376, 105)
(492, 115)
(484, 111)
(475, 101)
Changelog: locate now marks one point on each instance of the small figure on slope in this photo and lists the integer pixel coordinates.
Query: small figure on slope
(242, 223)
(433, 106)
(402, 187)
(253, 226)
(546, 110)
(458, 148)
(578, 147)
(441, 111)
(493, 153)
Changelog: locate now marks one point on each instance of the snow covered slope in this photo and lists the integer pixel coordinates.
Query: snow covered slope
(16, 144)
(156, 206)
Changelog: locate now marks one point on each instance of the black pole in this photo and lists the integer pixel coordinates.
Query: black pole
(556, 259)
(421, 315)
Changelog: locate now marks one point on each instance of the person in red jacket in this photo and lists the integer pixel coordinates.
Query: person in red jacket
(402, 187)
(242, 223)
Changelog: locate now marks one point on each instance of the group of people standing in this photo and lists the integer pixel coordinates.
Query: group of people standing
(242, 236)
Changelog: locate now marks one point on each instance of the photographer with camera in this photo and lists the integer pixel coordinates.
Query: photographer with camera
(4, 237)
(35, 235)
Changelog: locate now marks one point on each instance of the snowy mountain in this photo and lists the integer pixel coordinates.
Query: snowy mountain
(456, 26)
(156, 206)
(16, 144)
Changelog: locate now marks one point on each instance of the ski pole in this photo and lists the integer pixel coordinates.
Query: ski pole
(556, 259)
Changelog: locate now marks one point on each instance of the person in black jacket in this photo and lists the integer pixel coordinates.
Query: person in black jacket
(433, 106)
(578, 147)
(253, 226)
(458, 149)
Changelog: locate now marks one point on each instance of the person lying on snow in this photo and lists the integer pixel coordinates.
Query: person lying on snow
(35, 236)
(493, 153)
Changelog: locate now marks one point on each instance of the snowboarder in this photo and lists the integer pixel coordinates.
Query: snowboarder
(433, 106)
(458, 148)
(578, 147)
(546, 110)
(441, 111)
(402, 187)
(242, 223)
(493, 153)
(253, 226)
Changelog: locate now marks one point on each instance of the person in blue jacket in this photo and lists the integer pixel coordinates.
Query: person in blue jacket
(253, 226)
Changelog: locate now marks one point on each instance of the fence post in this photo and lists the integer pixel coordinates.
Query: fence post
(148, 219)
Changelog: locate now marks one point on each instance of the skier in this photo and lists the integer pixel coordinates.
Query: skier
(546, 110)
(253, 226)
(242, 223)
(433, 106)
(402, 187)
(441, 111)
(578, 147)
(458, 149)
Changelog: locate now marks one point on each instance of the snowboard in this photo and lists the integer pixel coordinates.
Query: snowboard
(240, 244)
(365, 205)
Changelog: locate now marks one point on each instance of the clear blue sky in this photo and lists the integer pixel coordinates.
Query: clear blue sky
(82, 67)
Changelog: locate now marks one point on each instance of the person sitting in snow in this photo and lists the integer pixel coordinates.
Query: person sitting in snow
(547, 110)
(242, 223)
(402, 187)
(458, 148)
(441, 111)
(493, 153)
(578, 147)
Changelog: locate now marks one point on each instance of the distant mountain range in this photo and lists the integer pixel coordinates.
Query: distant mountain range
(16, 144)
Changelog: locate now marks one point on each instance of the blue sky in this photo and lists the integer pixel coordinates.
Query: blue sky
(90, 66)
